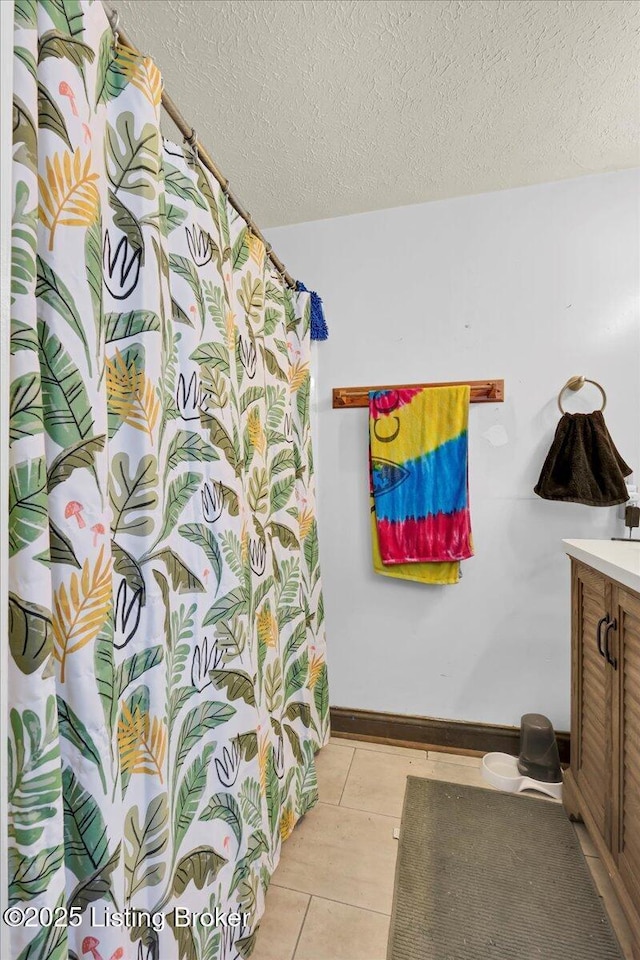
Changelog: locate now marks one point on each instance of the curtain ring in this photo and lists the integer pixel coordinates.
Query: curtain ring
(577, 383)
(114, 21)
(192, 141)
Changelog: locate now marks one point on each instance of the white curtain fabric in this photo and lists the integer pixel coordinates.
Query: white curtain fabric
(168, 682)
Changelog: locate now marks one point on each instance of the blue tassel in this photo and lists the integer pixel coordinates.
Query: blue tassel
(319, 329)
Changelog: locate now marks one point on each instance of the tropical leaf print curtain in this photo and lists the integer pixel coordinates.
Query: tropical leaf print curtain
(167, 676)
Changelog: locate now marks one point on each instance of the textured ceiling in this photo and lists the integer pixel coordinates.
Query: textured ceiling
(317, 108)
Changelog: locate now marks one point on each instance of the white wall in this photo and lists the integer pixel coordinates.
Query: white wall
(533, 285)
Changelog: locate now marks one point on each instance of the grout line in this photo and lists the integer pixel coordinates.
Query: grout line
(316, 896)
(304, 920)
(344, 785)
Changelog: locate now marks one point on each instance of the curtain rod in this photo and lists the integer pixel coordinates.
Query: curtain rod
(189, 135)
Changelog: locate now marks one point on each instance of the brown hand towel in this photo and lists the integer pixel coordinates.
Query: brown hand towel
(583, 464)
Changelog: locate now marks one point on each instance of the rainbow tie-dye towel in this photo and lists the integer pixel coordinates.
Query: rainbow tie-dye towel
(421, 526)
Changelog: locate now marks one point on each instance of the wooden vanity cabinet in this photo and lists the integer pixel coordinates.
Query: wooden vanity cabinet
(602, 786)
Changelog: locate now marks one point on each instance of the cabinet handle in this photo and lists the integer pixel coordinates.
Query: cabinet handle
(601, 621)
(610, 626)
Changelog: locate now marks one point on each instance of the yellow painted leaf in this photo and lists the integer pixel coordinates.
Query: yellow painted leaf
(81, 608)
(68, 187)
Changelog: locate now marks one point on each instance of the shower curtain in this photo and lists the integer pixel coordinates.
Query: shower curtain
(167, 679)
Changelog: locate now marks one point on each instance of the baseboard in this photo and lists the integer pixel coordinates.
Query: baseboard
(459, 735)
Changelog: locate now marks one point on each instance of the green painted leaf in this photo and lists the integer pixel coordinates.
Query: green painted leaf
(28, 505)
(25, 132)
(23, 337)
(60, 547)
(132, 161)
(186, 446)
(144, 845)
(30, 637)
(240, 251)
(281, 492)
(53, 291)
(85, 832)
(273, 792)
(272, 319)
(296, 676)
(172, 215)
(34, 773)
(23, 251)
(51, 942)
(105, 673)
(294, 740)
(25, 407)
(97, 885)
(282, 533)
(50, 117)
(186, 269)
(201, 867)
(294, 642)
(283, 460)
(56, 43)
(125, 221)
(66, 15)
(111, 79)
(205, 716)
(223, 806)
(272, 364)
(180, 492)
(78, 456)
(181, 186)
(133, 494)
(299, 711)
(251, 798)
(201, 534)
(321, 693)
(134, 666)
(68, 415)
(73, 729)
(182, 578)
(213, 355)
(26, 12)
(126, 566)
(93, 265)
(30, 876)
(250, 395)
(118, 326)
(311, 548)
(220, 438)
(239, 685)
(226, 607)
(190, 794)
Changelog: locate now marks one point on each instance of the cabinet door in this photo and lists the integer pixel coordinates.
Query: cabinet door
(626, 650)
(591, 736)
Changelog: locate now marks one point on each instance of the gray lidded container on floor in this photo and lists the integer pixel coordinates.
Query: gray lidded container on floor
(539, 757)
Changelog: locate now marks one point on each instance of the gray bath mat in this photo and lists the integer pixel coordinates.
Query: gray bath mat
(483, 875)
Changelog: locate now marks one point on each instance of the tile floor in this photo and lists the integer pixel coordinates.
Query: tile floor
(331, 895)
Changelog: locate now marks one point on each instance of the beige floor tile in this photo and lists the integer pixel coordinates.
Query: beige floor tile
(335, 931)
(281, 924)
(378, 747)
(612, 906)
(343, 855)
(458, 758)
(332, 767)
(377, 781)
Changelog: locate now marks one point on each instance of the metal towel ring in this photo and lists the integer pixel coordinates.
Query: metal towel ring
(576, 383)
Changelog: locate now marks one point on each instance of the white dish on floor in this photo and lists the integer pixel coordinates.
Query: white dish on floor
(501, 771)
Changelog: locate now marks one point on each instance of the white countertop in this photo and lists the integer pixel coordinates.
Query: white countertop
(616, 559)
